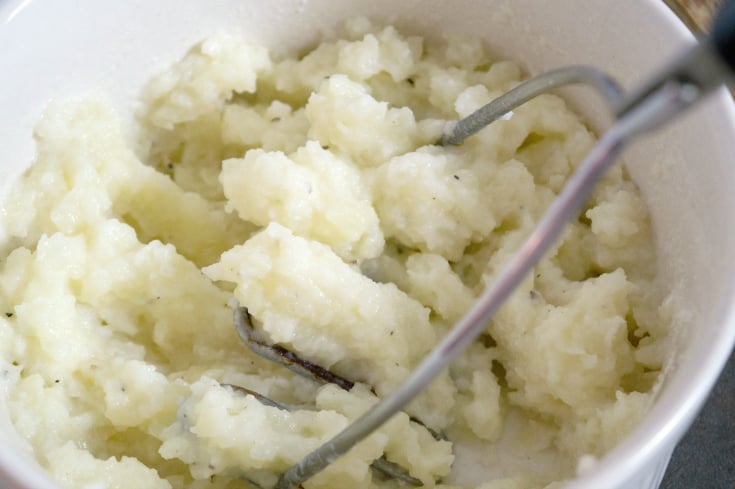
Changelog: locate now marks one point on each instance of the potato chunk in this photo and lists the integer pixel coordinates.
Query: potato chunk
(312, 192)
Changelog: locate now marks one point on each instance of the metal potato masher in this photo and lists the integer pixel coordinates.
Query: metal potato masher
(687, 80)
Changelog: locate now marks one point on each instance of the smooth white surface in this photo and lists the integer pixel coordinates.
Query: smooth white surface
(51, 49)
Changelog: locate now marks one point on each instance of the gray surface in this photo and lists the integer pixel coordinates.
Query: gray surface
(706, 456)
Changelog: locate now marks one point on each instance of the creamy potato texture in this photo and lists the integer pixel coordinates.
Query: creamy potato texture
(311, 189)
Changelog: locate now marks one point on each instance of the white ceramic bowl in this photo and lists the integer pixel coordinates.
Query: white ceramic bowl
(60, 49)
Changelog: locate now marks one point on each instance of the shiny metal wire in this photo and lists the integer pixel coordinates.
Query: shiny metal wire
(531, 88)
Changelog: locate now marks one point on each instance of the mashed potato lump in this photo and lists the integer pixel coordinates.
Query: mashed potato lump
(312, 190)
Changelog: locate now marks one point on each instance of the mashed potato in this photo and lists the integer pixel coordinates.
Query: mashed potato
(311, 189)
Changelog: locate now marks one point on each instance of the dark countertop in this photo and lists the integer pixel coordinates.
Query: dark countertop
(705, 458)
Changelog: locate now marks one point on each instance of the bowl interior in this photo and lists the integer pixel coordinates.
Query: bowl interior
(53, 49)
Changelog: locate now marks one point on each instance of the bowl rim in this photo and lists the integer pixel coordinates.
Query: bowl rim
(615, 468)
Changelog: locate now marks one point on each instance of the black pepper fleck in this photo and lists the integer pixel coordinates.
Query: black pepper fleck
(9, 314)
(410, 81)
(456, 177)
